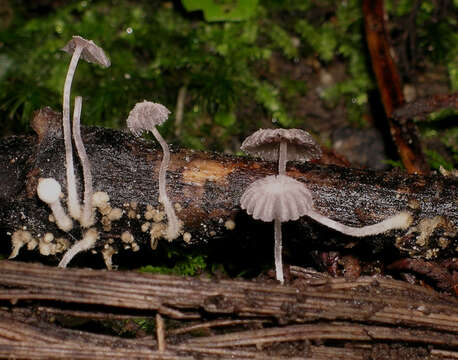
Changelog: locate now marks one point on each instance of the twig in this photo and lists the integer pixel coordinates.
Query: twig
(389, 84)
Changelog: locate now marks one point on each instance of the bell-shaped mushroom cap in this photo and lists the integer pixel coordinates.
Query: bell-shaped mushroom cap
(146, 115)
(277, 197)
(91, 52)
(264, 143)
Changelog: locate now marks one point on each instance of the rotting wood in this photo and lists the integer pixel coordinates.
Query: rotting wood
(352, 318)
(207, 187)
(389, 83)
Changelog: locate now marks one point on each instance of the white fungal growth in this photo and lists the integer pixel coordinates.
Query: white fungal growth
(157, 231)
(48, 237)
(87, 242)
(145, 226)
(19, 239)
(62, 244)
(115, 214)
(100, 199)
(187, 237)
(48, 191)
(127, 237)
(107, 254)
(32, 244)
(229, 224)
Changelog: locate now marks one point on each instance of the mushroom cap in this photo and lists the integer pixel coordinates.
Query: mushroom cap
(91, 52)
(48, 190)
(264, 143)
(146, 115)
(277, 197)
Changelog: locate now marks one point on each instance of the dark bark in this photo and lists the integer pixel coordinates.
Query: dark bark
(208, 187)
(264, 319)
(404, 134)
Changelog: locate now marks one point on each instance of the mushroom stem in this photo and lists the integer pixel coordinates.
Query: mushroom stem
(87, 242)
(72, 196)
(282, 157)
(173, 228)
(401, 220)
(278, 251)
(62, 220)
(87, 218)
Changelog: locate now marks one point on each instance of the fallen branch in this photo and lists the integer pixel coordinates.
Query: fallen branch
(206, 188)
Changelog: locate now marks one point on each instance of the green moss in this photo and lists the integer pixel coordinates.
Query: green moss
(185, 264)
(238, 75)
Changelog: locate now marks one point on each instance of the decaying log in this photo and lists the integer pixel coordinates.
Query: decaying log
(312, 316)
(206, 188)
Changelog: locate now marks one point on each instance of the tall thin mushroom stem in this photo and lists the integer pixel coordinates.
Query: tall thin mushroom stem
(173, 226)
(278, 251)
(282, 152)
(72, 195)
(87, 218)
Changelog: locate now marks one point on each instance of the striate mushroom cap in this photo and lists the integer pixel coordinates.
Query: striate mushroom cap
(264, 143)
(277, 197)
(146, 115)
(91, 52)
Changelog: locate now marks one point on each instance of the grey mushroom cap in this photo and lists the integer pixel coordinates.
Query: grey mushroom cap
(91, 52)
(146, 115)
(264, 143)
(277, 197)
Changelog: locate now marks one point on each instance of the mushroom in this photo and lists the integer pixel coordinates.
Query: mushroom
(282, 145)
(145, 116)
(49, 190)
(87, 50)
(87, 242)
(280, 198)
(277, 198)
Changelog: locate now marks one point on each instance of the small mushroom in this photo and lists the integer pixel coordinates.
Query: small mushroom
(277, 198)
(282, 145)
(145, 116)
(49, 190)
(87, 50)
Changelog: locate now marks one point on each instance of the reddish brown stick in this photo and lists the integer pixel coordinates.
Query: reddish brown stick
(389, 84)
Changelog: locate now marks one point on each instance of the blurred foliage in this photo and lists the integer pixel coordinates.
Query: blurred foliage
(228, 68)
(223, 10)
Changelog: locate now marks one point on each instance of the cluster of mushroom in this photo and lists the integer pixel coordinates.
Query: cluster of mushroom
(145, 116)
(280, 198)
(49, 190)
(277, 198)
